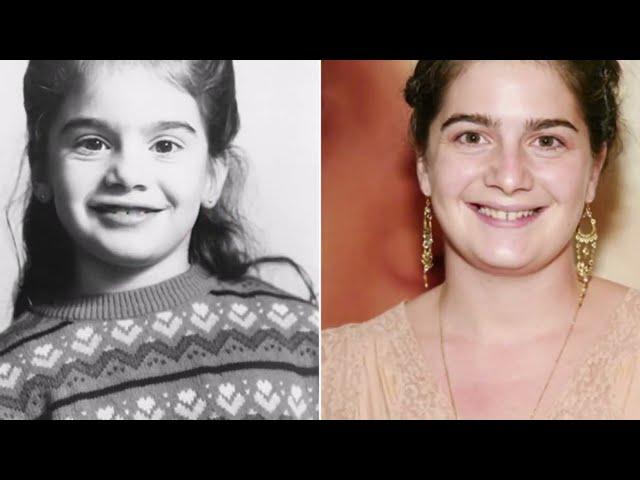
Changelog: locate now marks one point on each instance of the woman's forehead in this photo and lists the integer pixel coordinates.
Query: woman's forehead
(511, 91)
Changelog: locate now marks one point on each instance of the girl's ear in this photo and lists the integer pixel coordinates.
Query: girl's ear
(598, 163)
(423, 176)
(217, 171)
(42, 191)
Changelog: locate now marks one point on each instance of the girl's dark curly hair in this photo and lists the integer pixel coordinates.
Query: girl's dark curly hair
(219, 241)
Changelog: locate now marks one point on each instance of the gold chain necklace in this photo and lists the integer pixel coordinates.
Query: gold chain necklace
(544, 390)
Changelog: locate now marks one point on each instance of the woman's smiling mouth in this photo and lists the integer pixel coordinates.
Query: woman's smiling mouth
(506, 216)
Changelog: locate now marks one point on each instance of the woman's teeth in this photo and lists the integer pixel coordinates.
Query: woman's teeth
(503, 215)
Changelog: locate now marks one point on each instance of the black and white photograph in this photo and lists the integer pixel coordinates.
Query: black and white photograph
(160, 249)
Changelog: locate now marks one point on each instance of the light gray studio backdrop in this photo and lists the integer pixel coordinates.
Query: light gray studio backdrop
(279, 104)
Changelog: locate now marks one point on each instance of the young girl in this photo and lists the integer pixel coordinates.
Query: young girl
(135, 301)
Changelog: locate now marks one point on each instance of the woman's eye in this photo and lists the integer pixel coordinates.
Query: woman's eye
(548, 142)
(91, 144)
(165, 146)
(471, 138)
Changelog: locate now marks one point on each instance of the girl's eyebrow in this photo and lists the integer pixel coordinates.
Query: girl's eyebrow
(85, 122)
(172, 125)
(95, 123)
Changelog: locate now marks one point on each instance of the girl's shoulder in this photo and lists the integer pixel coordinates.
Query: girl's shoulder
(27, 328)
(251, 303)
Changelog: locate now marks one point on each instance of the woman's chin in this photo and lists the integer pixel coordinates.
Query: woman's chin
(506, 264)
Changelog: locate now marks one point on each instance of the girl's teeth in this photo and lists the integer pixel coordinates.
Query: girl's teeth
(502, 215)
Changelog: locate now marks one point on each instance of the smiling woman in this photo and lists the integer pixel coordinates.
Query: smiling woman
(509, 157)
(140, 297)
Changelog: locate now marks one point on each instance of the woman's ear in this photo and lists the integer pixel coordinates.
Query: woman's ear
(423, 175)
(217, 171)
(596, 170)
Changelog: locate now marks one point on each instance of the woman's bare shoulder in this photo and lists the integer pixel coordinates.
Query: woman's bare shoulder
(610, 295)
(351, 335)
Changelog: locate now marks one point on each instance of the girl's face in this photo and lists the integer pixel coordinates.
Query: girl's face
(128, 166)
(509, 166)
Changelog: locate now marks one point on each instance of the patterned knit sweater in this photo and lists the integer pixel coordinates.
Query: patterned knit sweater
(191, 347)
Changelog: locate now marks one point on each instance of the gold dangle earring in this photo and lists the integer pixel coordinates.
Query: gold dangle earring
(427, 243)
(585, 251)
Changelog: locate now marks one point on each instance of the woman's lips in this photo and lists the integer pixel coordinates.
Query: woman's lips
(506, 217)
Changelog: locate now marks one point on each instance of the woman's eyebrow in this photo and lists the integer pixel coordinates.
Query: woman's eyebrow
(478, 118)
(535, 124)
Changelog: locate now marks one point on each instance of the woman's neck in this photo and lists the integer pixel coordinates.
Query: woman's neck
(94, 276)
(502, 308)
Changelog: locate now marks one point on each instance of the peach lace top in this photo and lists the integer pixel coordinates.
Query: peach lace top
(375, 370)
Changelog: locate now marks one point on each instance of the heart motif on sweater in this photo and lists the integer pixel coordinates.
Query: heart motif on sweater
(146, 404)
(231, 407)
(266, 402)
(147, 412)
(126, 331)
(227, 389)
(296, 392)
(9, 375)
(283, 321)
(84, 334)
(314, 320)
(43, 350)
(264, 386)
(187, 396)
(157, 414)
(280, 309)
(125, 325)
(239, 309)
(87, 341)
(105, 413)
(191, 413)
(201, 309)
(165, 316)
(207, 324)
(295, 402)
(241, 315)
(46, 356)
(167, 324)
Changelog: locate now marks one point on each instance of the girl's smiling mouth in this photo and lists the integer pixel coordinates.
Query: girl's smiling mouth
(120, 214)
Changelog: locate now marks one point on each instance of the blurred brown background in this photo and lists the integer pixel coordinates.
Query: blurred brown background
(372, 206)
(371, 203)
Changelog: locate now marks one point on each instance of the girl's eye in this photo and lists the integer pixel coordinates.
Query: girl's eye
(548, 142)
(91, 145)
(165, 146)
(471, 138)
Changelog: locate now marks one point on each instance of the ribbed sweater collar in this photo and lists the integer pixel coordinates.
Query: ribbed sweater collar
(159, 297)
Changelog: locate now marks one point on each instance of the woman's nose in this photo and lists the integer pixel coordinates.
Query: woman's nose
(509, 170)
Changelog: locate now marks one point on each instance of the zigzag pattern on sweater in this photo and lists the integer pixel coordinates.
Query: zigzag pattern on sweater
(236, 354)
(148, 351)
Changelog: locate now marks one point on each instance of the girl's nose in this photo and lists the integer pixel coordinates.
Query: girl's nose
(509, 171)
(127, 171)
